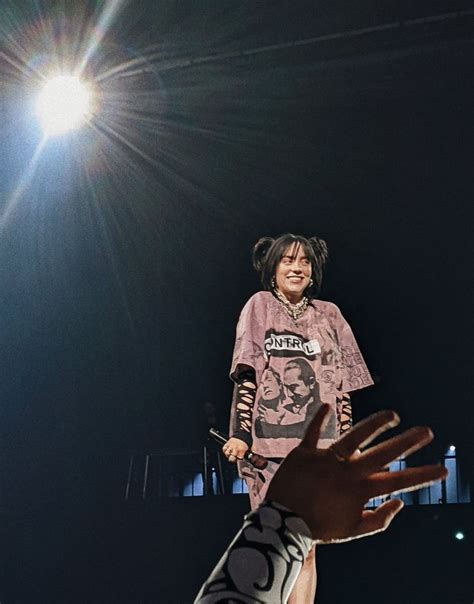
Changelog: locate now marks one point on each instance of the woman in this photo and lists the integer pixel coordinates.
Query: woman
(307, 343)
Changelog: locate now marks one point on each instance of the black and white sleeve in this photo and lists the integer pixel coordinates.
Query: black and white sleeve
(263, 561)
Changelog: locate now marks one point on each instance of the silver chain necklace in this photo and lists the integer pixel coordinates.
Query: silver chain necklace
(294, 310)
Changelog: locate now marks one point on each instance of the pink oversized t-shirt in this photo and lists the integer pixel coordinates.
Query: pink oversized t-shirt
(298, 365)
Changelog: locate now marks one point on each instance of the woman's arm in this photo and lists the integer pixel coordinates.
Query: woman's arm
(248, 361)
(245, 391)
(240, 439)
(344, 413)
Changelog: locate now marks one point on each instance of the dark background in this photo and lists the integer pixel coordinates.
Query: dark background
(125, 259)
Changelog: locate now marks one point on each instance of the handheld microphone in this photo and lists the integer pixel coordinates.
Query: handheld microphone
(256, 460)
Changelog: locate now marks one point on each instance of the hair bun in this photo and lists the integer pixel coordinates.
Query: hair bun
(320, 249)
(259, 252)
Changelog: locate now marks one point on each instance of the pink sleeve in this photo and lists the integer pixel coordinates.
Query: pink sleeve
(249, 349)
(355, 374)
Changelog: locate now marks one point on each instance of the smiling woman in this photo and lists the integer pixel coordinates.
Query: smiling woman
(293, 353)
(293, 274)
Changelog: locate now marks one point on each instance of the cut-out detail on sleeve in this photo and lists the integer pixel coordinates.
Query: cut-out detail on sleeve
(344, 413)
(245, 391)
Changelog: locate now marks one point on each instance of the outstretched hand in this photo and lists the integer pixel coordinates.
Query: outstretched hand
(329, 488)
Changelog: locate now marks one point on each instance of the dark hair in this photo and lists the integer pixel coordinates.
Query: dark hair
(268, 252)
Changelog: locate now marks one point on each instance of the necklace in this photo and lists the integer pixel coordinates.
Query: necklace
(294, 310)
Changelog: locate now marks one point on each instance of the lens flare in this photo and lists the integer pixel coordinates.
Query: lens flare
(64, 104)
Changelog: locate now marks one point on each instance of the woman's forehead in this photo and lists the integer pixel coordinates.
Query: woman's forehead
(295, 249)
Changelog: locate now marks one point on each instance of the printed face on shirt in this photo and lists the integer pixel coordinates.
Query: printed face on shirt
(271, 387)
(293, 273)
(299, 380)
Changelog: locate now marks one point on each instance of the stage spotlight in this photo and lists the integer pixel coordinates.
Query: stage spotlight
(452, 449)
(64, 104)
(459, 536)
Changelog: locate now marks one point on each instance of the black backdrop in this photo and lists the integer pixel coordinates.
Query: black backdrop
(126, 258)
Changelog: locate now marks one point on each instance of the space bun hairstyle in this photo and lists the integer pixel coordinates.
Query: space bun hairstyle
(268, 252)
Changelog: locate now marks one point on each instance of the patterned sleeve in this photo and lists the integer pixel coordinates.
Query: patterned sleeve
(355, 374)
(262, 562)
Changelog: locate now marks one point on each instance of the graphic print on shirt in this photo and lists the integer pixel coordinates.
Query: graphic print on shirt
(289, 393)
(357, 372)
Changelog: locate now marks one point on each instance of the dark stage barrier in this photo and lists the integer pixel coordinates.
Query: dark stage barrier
(194, 473)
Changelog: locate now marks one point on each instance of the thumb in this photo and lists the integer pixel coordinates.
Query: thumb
(375, 521)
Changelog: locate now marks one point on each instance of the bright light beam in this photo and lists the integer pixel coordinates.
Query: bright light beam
(21, 186)
(64, 104)
(109, 13)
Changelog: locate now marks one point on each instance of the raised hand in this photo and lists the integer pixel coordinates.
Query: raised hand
(329, 488)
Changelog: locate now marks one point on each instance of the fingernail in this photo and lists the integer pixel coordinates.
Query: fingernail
(392, 418)
(423, 431)
(395, 421)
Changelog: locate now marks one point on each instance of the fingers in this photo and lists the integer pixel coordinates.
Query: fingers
(384, 483)
(375, 521)
(364, 432)
(234, 449)
(382, 454)
(232, 457)
(311, 437)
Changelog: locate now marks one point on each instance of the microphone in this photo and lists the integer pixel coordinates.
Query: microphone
(256, 460)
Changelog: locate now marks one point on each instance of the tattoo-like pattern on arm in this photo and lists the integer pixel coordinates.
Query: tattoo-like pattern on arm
(263, 561)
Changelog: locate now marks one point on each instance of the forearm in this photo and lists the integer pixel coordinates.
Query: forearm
(263, 561)
(344, 413)
(244, 400)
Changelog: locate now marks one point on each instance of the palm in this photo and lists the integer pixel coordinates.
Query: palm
(329, 488)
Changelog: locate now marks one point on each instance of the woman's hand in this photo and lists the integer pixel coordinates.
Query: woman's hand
(235, 449)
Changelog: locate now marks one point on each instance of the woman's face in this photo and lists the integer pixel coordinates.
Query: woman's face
(293, 273)
(271, 389)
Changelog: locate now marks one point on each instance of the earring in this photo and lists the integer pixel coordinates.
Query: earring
(311, 283)
(272, 283)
